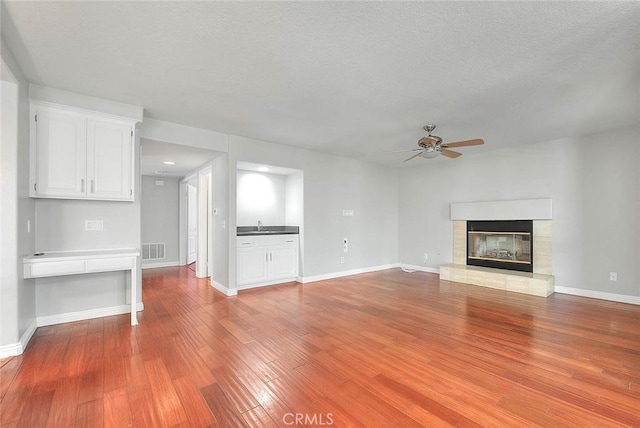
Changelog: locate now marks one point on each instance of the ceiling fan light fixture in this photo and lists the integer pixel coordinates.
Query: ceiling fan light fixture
(430, 153)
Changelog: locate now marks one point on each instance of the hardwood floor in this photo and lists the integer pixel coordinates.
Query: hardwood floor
(386, 349)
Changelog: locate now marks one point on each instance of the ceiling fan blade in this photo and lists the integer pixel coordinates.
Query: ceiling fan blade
(403, 151)
(450, 153)
(476, 142)
(414, 156)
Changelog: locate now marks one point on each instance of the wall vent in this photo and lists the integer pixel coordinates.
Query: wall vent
(153, 251)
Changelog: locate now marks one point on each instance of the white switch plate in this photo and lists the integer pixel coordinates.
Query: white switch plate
(341, 259)
(613, 276)
(345, 245)
(93, 225)
(347, 213)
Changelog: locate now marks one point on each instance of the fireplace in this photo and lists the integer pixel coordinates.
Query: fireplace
(504, 244)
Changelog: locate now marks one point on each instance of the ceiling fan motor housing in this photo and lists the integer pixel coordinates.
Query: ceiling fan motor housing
(430, 141)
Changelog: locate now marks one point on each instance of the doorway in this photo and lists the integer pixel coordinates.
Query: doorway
(192, 224)
(196, 232)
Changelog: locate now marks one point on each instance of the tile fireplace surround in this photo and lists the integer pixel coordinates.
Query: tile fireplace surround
(540, 282)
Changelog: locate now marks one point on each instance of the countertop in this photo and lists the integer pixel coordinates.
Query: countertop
(267, 230)
(80, 255)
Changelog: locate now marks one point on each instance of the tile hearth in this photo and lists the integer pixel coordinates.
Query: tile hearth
(508, 280)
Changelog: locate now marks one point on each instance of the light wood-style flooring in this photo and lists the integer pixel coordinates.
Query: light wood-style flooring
(385, 349)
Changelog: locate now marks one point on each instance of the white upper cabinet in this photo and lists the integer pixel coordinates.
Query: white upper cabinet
(77, 154)
(60, 155)
(109, 160)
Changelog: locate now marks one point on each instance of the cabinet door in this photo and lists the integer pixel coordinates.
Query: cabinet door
(283, 262)
(109, 160)
(252, 265)
(60, 155)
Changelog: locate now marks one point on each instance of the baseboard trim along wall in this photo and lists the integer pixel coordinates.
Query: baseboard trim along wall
(14, 349)
(621, 298)
(86, 315)
(159, 265)
(224, 290)
(315, 278)
(18, 348)
(420, 268)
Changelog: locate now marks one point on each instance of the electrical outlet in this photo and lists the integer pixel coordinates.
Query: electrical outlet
(613, 276)
(345, 245)
(426, 257)
(341, 259)
(347, 213)
(93, 225)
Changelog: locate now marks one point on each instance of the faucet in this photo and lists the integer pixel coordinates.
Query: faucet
(259, 226)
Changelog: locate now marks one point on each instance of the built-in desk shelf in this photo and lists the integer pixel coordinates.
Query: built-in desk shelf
(60, 263)
(520, 282)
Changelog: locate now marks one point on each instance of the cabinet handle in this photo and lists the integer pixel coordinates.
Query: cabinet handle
(270, 257)
(82, 184)
(267, 257)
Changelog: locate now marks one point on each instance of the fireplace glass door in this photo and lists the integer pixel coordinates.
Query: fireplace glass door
(506, 247)
(501, 244)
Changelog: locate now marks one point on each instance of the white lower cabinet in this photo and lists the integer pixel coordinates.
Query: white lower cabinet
(267, 259)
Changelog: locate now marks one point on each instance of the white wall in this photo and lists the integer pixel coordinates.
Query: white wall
(331, 184)
(220, 223)
(17, 296)
(261, 197)
(294, 212)
(595, 186)
(160, 208)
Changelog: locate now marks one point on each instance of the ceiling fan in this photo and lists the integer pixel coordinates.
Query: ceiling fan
(432, 146)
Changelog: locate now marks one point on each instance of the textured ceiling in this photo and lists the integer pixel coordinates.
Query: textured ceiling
(351, 78)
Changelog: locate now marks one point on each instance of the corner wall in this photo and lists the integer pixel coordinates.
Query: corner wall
(17, 295)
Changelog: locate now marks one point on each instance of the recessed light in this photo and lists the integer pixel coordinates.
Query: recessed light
(263, 169)
(169, 162)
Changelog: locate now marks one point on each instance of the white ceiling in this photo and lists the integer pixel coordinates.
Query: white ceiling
(186, 159)
(350, 78)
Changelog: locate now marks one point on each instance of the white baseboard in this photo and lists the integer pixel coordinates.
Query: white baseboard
(420, 268)
(622, 298)
(18, 348)
(86, 315)
(308, 279)
(159, 265)
(223, 289)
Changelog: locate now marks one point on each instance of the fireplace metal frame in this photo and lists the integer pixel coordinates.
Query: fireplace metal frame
(525, 226)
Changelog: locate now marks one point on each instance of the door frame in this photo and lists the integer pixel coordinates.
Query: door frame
(203, 180)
